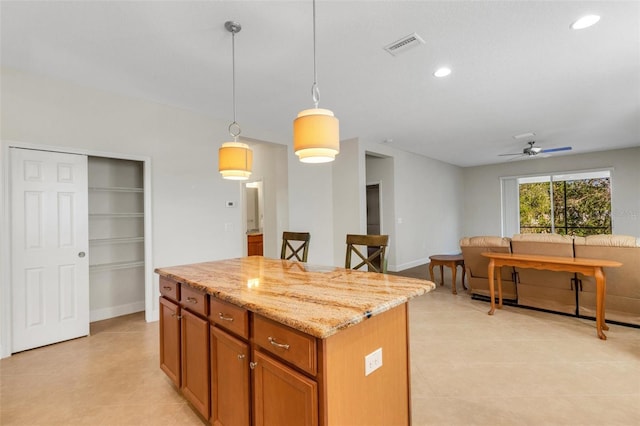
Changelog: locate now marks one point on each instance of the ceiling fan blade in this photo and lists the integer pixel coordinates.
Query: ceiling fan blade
(564, 148)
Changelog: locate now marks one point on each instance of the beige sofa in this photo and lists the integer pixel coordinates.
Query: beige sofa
(623, 284)
(563, 292)
(545, 289)
(477, 265)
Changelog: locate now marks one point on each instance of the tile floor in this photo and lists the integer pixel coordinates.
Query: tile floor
(519, 367)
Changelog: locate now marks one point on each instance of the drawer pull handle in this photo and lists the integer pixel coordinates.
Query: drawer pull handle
(176, 316)
(253, 365)
(166, 287)
(240, 357)
(223, 318)
(278, 345)
(192, 300)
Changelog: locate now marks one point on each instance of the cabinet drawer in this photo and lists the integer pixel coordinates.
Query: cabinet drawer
(194, 300)
(230, 317)
(170, 289)
(291, 345)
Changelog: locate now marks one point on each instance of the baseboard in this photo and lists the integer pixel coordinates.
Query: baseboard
(115, 311)
(412, 264)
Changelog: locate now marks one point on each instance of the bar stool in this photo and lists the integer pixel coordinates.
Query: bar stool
(376, 248)
(293, 243)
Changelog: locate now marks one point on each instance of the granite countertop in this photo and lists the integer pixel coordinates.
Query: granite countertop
(317, 300)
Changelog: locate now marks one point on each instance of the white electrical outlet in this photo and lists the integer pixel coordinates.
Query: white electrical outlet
(373, 361)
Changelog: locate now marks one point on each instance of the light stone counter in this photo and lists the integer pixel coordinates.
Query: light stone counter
(317, 300)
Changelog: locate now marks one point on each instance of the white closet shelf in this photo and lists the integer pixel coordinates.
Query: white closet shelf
(115, 265)
(114, 189)
(106, 241)
(114, 215)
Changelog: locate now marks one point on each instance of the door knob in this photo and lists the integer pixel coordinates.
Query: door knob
(81, 254)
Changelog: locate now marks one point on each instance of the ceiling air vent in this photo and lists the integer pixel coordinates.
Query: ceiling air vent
(404, 44)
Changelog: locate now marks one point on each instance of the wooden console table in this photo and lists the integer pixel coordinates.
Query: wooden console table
(589, 267)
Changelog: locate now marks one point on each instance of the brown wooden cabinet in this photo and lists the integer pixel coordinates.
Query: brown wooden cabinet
(170, 339)
(230, 403)
(282, 396)
(254, 245)
(195, 361)
(237, 367)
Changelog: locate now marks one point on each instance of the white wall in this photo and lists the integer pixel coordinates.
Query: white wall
(270, 167)
(427, 207)
(482, 187)
(381, 170)
(190, 220)
(349, 208)
(311, 206)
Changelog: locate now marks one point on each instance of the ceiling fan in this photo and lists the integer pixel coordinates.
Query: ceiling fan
(532, 150)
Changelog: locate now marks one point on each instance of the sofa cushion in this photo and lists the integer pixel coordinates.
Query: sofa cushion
(623, 283)
(477, 265)
(542, 288)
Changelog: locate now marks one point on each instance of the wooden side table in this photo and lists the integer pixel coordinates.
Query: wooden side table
(450, 260)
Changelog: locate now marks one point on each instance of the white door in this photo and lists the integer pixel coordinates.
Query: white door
(49, 241)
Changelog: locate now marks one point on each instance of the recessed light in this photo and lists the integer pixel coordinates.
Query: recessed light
(585, 22)
(442, 72)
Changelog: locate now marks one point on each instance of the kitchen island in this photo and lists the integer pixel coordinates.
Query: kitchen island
(272, 342)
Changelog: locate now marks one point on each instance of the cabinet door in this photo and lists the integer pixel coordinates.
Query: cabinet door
(195, 361)
(229, 380)
(170, 339)
(282, 396)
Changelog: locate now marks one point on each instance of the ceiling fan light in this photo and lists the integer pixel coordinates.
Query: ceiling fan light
(316, 136)
(235, 160)
(585, 22)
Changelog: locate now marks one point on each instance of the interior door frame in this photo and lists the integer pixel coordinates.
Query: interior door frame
(151, 309)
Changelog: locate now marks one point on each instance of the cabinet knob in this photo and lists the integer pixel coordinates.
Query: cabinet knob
(253, 365)
(240, 357)
(192, 300)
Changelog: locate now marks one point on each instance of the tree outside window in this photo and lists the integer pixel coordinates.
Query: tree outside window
(581, 204)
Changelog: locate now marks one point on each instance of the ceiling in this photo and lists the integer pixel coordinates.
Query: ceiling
(517, 67)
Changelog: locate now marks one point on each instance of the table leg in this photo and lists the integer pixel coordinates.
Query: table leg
(490, 273)
(464, 272)
(499, 278)
(454, 269)
(441, 274)
(600, 294)
(431, 270)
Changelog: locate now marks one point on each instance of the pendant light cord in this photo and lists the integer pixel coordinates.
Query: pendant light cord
(233, 126)
(315, 91)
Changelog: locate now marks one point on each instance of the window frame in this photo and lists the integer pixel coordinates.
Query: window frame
(510, 193)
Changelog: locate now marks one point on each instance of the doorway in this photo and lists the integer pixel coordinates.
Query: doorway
(254, 207)
(374, 226)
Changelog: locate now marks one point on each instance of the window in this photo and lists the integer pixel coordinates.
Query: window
(568, 204)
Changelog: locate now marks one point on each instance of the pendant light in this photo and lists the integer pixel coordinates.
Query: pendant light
(316, 137)
(235, 159)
